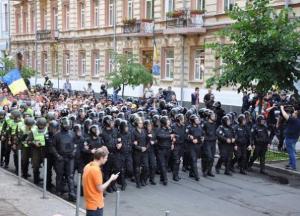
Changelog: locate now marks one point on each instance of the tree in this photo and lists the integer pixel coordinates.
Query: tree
(8, 63)
(128, 71)
(263, 49)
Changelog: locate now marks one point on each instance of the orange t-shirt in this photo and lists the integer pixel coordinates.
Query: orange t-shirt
(92, 176)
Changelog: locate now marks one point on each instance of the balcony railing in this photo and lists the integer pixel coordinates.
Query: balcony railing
(140, 26)
(184, 18)
(47, 35)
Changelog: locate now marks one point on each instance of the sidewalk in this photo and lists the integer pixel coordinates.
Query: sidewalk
(25, 200)
(279, 166)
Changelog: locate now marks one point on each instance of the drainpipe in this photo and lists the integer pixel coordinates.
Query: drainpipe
(182, 69)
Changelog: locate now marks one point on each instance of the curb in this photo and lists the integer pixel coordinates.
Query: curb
(40, 189)
(280, 170)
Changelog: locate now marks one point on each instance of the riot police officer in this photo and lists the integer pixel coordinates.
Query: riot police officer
(165, 145)
(209, 144)
(2, 135)
(63, 146)
(226, 142)
(179, 130)
(260, 140)
(37, 138)
(195, 139)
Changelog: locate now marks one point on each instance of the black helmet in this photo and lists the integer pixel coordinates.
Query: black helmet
(64, 112)
(50, 116)
(124, 109)
(174, 111)
(241, 118)
(193, 109)
(29, 121)
(114, 110)
(15, 114)
(81, 110)
(164, 112)
(147, 123)
(156, 120)
(132, 118)
(53, 125)
(137, 121)
(101, 114)
(188, 114)
(41, 123)
(162, 104)
(117, 123)
(94, 130)
(65, 123)
(164, 121)
(2, 114)
(87, 123)
(72, 118)
(193, 119)
(210, 114)
(107, 120)
(225, 121)
(123, 126)
(201, 113)
(93, 115)
(153, 112)
(217, 104)
(107, 111)
(179, 118)
(121, 115)
(77, 127)
(260, 119)
(102, 86)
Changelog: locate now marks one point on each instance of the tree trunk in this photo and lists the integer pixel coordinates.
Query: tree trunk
(123, 90)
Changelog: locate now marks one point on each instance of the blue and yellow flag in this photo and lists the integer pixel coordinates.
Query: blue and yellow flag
(14, 81)
(4, 101)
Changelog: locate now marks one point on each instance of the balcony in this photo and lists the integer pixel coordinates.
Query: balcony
(47, 35)
(138, 26)
(185, 22)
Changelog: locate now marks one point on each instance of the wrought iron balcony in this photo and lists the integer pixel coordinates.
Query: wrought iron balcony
(47, 35)
(184, 18)
(139, 26)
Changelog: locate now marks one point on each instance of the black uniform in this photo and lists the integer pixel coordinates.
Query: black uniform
(152, 142)
(226, 149)
(126, 156)
(63, 147)
(260, 139)
(209, 146)
(50, 159)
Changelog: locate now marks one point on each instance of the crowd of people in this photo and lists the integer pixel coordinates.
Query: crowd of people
(146, 138)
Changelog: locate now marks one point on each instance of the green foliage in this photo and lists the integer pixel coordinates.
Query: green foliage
(26, 72)
(128, 71)
(263, 50)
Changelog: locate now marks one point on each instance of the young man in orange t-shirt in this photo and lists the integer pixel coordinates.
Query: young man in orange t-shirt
(93, 186)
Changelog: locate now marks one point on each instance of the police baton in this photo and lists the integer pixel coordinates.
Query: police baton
(117, 203)
(167, 213)
(45, 179)
(78, 193)
(19, 167)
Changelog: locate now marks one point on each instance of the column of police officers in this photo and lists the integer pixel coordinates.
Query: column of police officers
(141, 143)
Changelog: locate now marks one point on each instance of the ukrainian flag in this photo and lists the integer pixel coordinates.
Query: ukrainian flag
(3, 101)
(14, 81)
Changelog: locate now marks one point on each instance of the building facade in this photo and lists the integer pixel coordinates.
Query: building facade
(4, 28)
(74, 39)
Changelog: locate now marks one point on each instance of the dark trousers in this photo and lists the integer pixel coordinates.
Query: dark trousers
(176, 154)
(36, 160)
(195, 152)
(259, 153)
(163, 158)
(2, 156)
(26, 154)
(140, 166)
(50, 166)
(65, 168)
(152, 164)
(128, 162)
(209, 151)
(120, 167)
(7, 150)
(226, 153)
(97, 212)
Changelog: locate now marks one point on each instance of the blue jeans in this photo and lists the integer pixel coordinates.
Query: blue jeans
(290, 146)
(97, 212)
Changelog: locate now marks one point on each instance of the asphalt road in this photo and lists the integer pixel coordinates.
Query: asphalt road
(251, 195)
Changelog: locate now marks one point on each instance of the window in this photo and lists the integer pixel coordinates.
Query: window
(82, 15)
(82, 64)
(109, 67)
(228, 5)
(18, 20)
(200, 4)
(111, 12)
(25, 21)
(32, 19)
(96, 13)
(130, 9)
(55, 62)
(44, 63)
(5, 28)
(67, 63)
(149, 9)
(43, 17)
(66, 17)
(169, 5)
(55, 18)
(198, 64)
(169, 64)
(96, 63)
